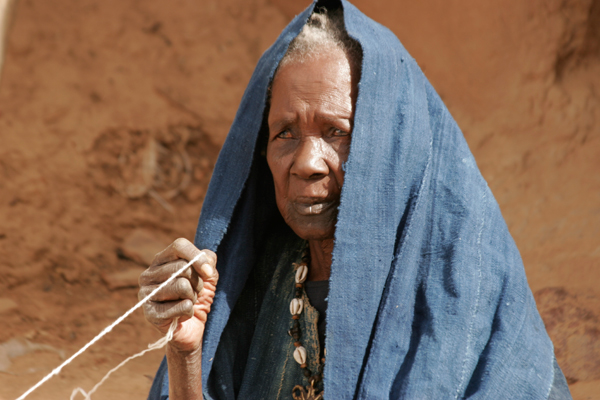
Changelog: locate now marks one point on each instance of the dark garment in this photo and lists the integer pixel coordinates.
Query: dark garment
(256, 340)
(160, 386)
(317, 292)
(269, 369)
(428, 297)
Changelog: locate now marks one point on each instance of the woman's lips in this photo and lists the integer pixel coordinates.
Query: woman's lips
(312, 208)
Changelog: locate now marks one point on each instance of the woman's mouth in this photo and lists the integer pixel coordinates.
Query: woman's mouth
(312, 208)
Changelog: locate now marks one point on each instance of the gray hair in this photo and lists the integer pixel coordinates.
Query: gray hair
(323, 32)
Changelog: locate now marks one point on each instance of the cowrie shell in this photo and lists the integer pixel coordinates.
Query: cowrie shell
(296, 306)
(301, 273)
(300, 355)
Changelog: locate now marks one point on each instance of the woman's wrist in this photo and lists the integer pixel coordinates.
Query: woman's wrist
(183, 357)
(185, 373)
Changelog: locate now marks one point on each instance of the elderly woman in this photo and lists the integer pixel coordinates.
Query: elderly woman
(360, 253)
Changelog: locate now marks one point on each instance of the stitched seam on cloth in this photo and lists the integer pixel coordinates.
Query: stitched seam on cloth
(524, 318)
(515, 338)
(394, 260)
(476, 306)
(552, 360)
(384, 294)
(283, 376)
(553, 374)
(505, 360)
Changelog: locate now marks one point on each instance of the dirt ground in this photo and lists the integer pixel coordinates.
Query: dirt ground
(112, 113)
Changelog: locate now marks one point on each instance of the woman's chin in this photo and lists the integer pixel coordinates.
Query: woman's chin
(313, 227)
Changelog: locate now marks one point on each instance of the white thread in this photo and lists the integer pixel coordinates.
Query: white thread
(160, 343)
(57, 370)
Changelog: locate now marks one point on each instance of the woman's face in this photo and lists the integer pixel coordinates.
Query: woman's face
(310, 122)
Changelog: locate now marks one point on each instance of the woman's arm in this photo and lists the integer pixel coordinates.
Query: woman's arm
(188, 298)
(185, 374)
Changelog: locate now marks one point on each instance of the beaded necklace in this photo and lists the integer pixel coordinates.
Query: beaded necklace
(299, 392)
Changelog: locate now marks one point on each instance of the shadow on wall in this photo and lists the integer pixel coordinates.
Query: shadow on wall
(580, 41)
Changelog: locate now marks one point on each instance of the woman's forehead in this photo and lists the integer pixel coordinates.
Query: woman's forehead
(326, 78)
(318, 65)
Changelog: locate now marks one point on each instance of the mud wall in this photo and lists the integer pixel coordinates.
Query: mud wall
(112, 113)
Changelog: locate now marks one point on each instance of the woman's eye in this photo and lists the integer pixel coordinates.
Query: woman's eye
(287, 134)
(338, 132)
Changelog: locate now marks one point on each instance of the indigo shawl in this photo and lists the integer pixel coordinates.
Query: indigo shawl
(428, 296)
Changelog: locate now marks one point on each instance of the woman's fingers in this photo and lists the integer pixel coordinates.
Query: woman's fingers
(155, 275)
(208, 272)
(179, 289)
(185, 295)
(184, 249)
(175, 300)
(161, 314)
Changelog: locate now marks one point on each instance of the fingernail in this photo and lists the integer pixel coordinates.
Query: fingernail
(207, 269)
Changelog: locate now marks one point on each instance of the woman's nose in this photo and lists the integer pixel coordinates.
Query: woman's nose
(309, 162)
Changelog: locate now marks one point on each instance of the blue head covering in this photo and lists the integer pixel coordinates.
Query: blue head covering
(428, 296)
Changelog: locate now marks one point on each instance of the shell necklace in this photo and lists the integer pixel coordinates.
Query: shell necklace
(299, 392)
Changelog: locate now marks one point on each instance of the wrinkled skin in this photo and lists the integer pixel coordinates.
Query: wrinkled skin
(189, 298)
(310, 125)
(310, 122)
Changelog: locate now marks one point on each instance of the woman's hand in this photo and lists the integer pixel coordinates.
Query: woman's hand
(188, 297)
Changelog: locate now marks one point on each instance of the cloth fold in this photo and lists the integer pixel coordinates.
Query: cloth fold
(428, 297)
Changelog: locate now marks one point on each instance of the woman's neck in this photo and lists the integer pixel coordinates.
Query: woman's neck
(320, 259)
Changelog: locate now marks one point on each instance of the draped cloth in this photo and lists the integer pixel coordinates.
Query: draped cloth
(428, 297)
